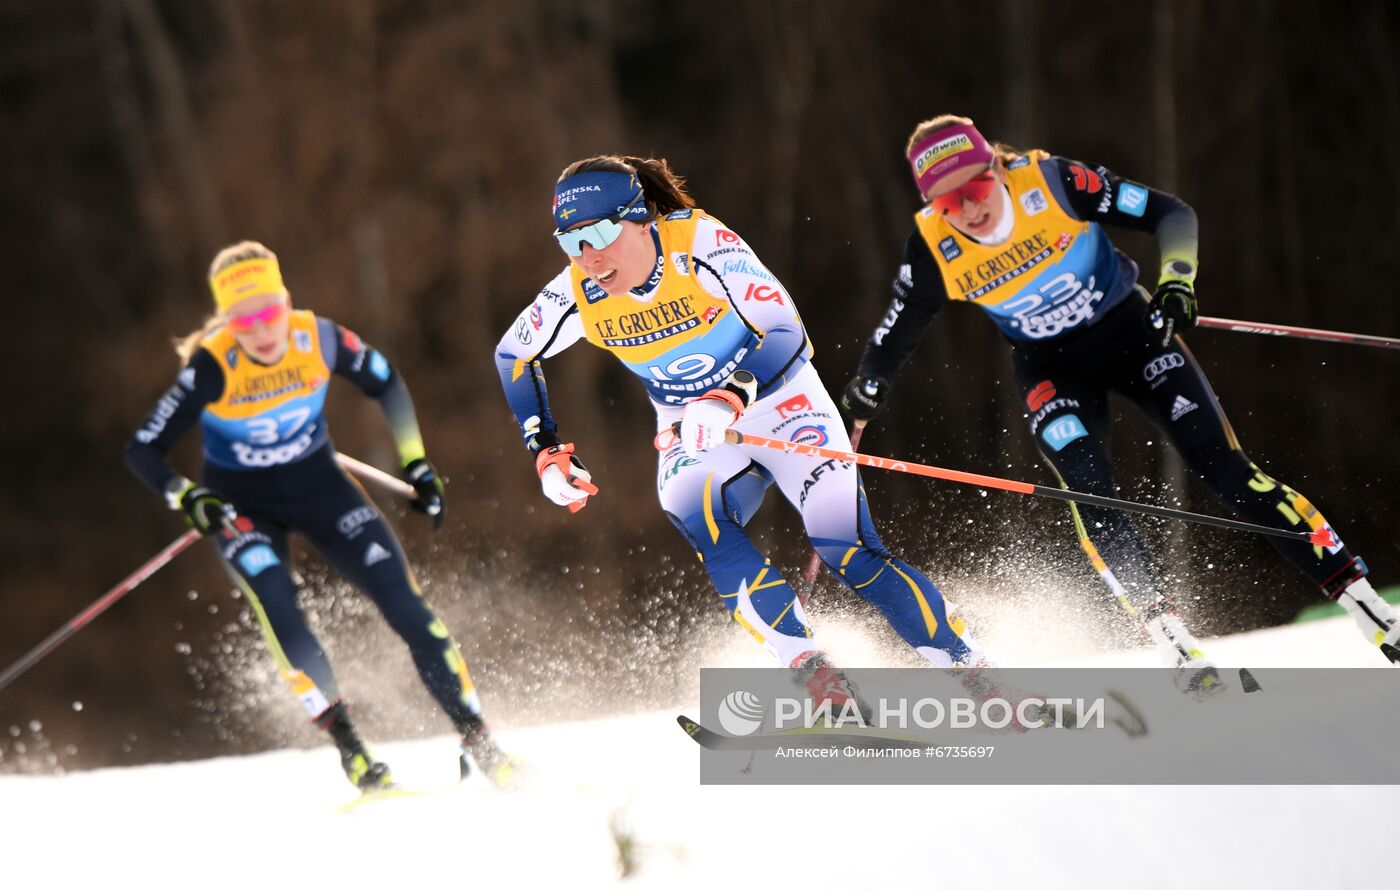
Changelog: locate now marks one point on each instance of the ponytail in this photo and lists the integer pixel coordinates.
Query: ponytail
(664, 190)
(186, 345)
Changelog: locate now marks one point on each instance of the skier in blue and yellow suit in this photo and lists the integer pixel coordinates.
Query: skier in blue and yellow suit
(255, 378)
(1021, 236)
(713, 336)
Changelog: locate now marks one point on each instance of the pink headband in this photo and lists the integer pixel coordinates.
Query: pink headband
(946, 150)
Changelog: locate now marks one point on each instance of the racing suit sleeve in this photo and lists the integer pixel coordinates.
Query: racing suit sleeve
(350, 357)
(918, 295)
(548, 326)
(1096, 194)
(728, 269)
(200, 382)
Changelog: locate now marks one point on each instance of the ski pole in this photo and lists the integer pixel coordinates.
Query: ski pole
(377, 476)
(1321, 537)
(101, 605)
(1283, 330)
(809, 577)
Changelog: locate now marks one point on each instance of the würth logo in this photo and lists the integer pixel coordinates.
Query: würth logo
(1041, 393)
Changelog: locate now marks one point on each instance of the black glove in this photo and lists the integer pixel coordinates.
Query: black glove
(1173, 309)
(865, 396)
(206, 510)
(428, 484)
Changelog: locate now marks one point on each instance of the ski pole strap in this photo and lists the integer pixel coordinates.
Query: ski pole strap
(1283, 330)
(1320, 537)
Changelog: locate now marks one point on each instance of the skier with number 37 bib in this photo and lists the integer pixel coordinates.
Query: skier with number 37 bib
(1020, 235)
(255, 379)
(714, 337)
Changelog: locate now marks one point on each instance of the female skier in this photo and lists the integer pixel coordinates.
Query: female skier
(1021, 236)
(714, 337)
(255, 378)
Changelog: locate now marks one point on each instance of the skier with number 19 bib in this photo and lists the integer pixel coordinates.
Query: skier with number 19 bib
(715, 339)
(1020, 235)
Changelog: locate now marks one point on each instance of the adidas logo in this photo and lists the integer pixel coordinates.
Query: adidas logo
(375, 553)
(1182, 407)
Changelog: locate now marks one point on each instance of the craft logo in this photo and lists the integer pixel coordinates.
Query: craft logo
(795, 405)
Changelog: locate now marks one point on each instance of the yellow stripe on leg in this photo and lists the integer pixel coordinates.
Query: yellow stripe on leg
(710, 510)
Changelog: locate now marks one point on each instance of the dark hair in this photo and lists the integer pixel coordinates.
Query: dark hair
(665, 191)
(1005, 153)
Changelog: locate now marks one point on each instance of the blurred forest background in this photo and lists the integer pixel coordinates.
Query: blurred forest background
(399, 155)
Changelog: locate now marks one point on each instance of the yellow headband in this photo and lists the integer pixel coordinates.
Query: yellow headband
(246, 278)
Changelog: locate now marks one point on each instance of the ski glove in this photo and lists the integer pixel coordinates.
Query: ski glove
(564, 479)
(865, 396)
(205, 510)
(1173, 309)
(705, 419)
(428, 484)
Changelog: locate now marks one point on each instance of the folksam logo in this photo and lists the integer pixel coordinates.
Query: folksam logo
(741, 713)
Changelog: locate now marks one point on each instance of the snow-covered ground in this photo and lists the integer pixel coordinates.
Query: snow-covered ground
(627, 789)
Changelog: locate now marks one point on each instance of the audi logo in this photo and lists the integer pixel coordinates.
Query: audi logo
(1162, 364)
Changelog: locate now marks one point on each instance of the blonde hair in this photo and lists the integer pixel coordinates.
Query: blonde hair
(234, 253)
(1005, 153)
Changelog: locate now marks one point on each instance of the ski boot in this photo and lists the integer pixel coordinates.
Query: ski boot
(1374, 616)
(499, 768)
(363, 771)
(1196, 675)
(824, 683)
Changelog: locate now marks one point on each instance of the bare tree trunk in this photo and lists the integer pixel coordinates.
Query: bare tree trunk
(132, 136)
(789, 25)
(169, 83)
(371, 267)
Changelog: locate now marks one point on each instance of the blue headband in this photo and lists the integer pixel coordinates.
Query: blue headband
(597, 195)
